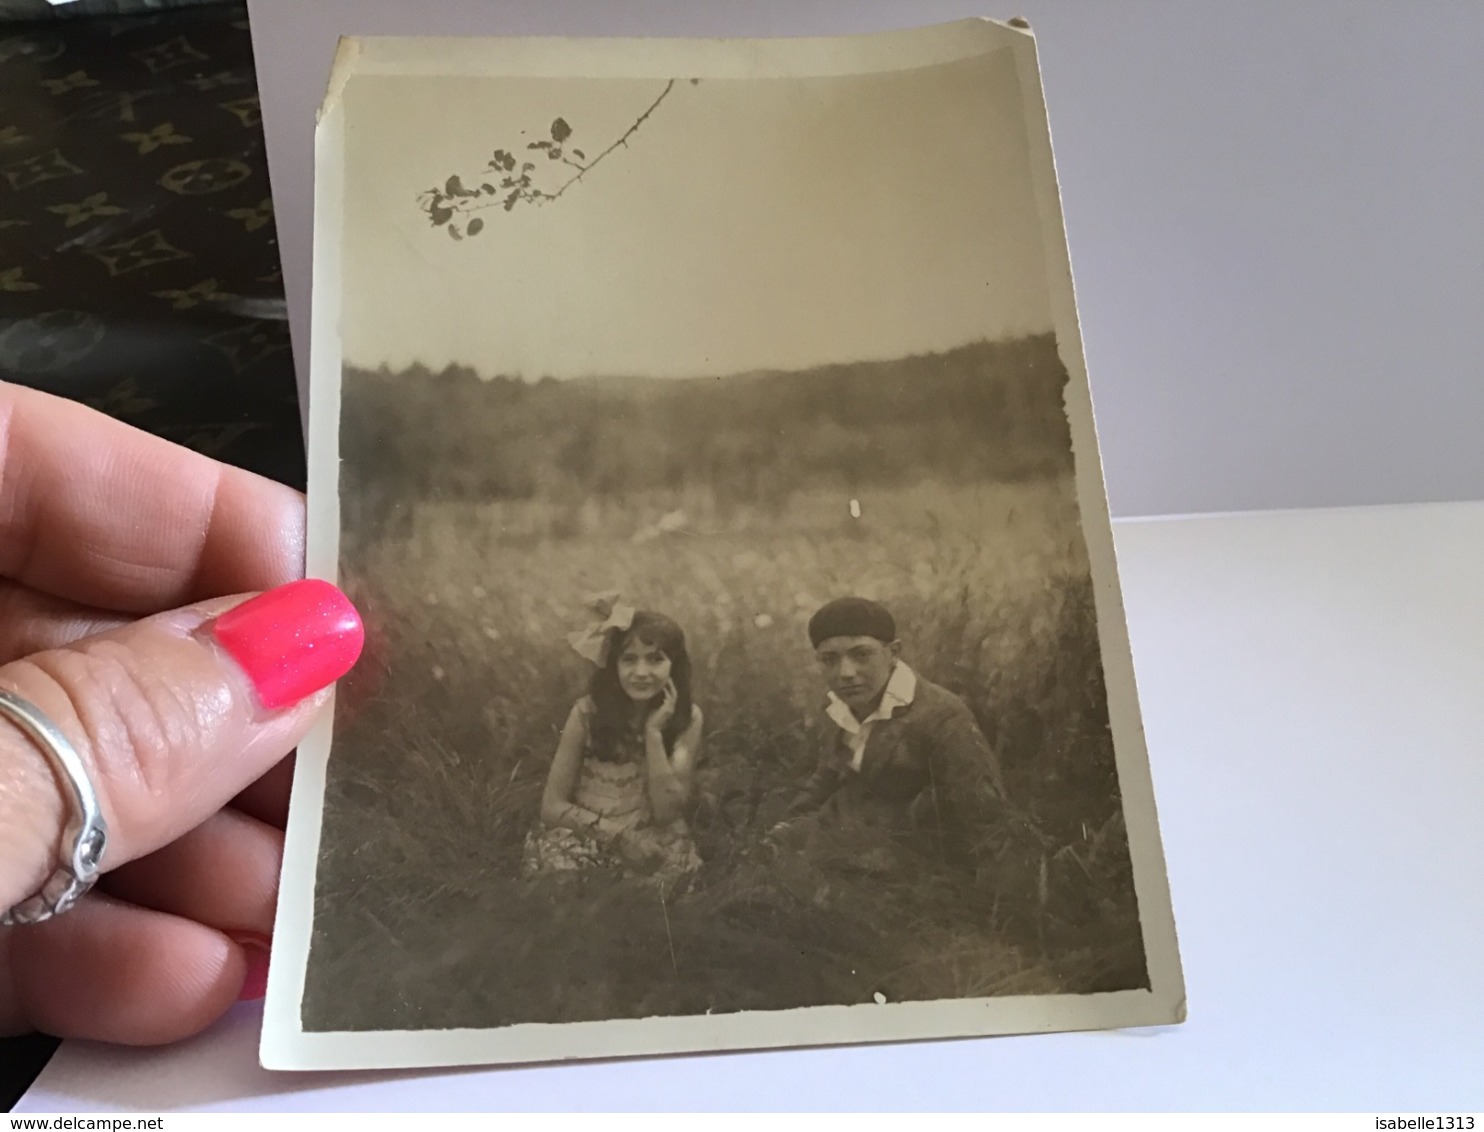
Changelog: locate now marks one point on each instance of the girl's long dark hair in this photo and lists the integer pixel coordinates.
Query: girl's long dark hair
(614, 718)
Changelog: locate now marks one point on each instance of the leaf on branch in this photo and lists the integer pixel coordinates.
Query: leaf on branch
(455, 188)
(538, 145)
(560, 131)
(577, 153)
(476, 226)
(440, 215)
(527, 167)
(453, 230)
(554, 153)
(511, 199)
(487, 188)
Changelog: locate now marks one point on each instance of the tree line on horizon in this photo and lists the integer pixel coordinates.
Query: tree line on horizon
(986, 412)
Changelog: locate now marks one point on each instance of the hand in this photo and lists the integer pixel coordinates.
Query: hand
(665, 712)
(774, 839)
(117, 555)
(639, 847)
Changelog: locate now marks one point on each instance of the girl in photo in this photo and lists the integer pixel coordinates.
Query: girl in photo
(622, 778)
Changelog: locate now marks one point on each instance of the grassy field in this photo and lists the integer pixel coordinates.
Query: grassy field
(446, 731)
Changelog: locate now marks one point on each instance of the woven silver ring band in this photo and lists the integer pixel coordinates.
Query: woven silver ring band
(85, 834)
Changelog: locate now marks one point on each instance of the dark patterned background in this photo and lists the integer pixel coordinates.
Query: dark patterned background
(139, 268)
(138, 262)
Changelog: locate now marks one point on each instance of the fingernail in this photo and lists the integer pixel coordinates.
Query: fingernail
(292, 641)
(255, 982)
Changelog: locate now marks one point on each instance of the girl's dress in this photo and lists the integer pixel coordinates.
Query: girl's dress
(617, 790)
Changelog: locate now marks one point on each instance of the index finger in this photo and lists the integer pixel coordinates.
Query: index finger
(102, 514)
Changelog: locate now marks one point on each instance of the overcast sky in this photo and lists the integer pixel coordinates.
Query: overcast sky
(762, 223)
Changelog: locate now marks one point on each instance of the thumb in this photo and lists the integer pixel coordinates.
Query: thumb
(172, 716)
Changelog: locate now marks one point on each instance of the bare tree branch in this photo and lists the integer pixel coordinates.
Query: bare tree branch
(624, 140)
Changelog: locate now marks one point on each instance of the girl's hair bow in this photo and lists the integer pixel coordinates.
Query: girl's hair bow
(610, 616)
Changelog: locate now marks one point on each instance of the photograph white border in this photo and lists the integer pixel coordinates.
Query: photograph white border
(285, 1044)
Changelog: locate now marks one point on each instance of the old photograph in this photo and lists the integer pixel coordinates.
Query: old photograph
(702, 430)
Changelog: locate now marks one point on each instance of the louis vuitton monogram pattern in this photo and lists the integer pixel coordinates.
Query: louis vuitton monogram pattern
(138, 258)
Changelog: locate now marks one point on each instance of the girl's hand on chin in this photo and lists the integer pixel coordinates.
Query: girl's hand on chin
(665, 711)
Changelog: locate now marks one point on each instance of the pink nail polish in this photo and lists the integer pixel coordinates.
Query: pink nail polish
(292, 641)
(255, 983)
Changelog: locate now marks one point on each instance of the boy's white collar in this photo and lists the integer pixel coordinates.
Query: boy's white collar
(901, 690)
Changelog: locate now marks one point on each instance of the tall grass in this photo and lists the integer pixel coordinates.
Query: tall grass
(446, 731)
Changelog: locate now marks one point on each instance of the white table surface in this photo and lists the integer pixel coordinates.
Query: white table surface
(1311, 684)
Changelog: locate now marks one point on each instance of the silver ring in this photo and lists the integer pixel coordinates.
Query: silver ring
(85, 835)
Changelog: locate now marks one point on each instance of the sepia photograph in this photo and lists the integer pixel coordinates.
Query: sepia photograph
(703, 431)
